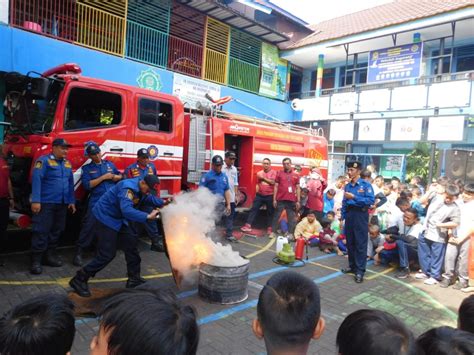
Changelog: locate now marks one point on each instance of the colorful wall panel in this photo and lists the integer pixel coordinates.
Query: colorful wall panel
(216, 51)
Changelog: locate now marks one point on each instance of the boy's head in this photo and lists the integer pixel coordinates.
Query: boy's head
(341, 181)
(325, 223)
(466, 315)
(402, 203)
(41, 325)
(311, 216)
(330, 194)
(379, 181)
(410, 217)
(451, 194)
(468, 193)
(374, 332)
(146, 322)
(288, 313)
(374, 231)
(416, 180)
(331, 216)
(395, 182)
(445, 341)
(415, 192)
(366, 175)
(387, 189)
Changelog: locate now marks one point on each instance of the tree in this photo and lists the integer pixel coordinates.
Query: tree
(418, 161)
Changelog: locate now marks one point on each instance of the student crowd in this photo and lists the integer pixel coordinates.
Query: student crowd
(288, 318)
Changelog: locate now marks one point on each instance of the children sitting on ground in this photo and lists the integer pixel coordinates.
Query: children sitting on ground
(432, 244)
(374, 332)
(457, 249)
(288, 314)
(375, 243)
(328, 238)
(43, 325)
(308, 228)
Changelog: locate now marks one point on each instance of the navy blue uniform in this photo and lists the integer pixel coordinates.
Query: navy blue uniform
(90, 172)
(53, 187)
(355, 212)
(217, 183)
(136, 170)
(112, 216)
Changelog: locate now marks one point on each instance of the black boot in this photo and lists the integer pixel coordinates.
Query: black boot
(52, 259)
(79, 284)
(36, 267)
(134, 280)
(77, 261)
(158, 246)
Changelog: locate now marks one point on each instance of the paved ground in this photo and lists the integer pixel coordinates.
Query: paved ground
(227, 329)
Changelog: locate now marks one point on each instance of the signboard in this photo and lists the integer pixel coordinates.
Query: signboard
(409, 97)
(372, 130)
(391, 166)
(446, 128)
(406, 129)
(4, 11)
(191, 90)
(395, 63)
(438, 98)
(274, 73)
(374, 100)
(341, 131)
(343, 103)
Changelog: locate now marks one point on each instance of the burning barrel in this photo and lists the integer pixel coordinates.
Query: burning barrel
(224, 284)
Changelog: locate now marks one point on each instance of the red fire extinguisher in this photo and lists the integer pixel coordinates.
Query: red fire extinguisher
(299, 248)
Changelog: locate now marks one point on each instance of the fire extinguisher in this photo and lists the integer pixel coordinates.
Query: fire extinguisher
(299, 248)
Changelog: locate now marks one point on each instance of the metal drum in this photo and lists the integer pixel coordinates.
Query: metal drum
(224, 284)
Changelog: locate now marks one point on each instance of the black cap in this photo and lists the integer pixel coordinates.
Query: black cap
(152, 181)
(143, 153)
(354, 164)
(61, 142)
(230, 155)
(217, 160)
(92, 149)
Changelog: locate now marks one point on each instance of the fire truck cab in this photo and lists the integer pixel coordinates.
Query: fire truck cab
(123, 119)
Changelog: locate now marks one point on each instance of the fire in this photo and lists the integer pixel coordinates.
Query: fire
(202, 253)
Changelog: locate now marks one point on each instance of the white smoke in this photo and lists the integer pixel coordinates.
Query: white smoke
(189, 223)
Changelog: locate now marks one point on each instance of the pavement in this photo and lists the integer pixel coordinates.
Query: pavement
(227, 329)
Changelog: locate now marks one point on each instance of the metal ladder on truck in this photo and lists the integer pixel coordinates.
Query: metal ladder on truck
(199, 132)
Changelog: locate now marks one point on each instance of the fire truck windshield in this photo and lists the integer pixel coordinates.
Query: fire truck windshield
(30, 115)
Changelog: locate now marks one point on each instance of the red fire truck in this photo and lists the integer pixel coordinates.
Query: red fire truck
(122, 119)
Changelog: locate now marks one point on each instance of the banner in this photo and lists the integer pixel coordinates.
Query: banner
(372, 130)
(274, 73)
(406, 129)
(446, 128)
(341, 131)
(192, 91)
(395, 63)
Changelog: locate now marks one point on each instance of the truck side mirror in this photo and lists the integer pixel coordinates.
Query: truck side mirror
(39, 88)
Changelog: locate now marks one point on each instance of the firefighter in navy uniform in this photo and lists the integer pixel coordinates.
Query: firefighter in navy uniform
(358, 197)
(113, 214)
(142, 168)
(52, 196)
(98, 177)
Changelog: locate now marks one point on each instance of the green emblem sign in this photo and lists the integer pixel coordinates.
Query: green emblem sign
(150, 80)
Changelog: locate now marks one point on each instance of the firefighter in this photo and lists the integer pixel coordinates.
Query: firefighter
(142, 168)
(218, 183)
(6, 202)
(52, 196)
(98, 177)
(112, 216)
(358, 197)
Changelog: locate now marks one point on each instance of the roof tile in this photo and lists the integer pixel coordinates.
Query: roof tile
(390, 14)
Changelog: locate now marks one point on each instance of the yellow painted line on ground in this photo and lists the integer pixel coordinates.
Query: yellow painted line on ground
(262, 249)
(378, 274)
(64, 281)
(324, 266)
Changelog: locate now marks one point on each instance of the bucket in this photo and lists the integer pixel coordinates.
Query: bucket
(32, 26)
(224, 284)
(279, 244)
